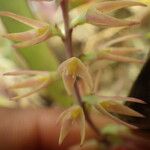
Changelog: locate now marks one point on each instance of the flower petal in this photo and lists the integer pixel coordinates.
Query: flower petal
(82, 126)
(29, 83)
(96, 15)
(22, 36)
(33, 41)
(97, 18)
(115, 107)
(30, 22)
(70, 70)
(65, 128)
(26, 72)
(118, 58)
(120, 98)
(122, 50)
(109, 6)
(104, 112)
(68, 83)
(43, 85)
(68, 118)
(119, 39)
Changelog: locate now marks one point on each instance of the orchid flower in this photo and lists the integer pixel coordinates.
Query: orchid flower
(68, 118)
(41, 31)
(106, 50)
(114, 104)
(106, 107)
(97, 14)
(37, 83)
(71, 70)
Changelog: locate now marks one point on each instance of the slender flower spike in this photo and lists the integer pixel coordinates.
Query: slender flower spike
(73, 69)
(97, 14)
(68, 118)
(41, 31)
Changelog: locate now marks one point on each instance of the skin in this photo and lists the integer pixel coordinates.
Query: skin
(33, 129)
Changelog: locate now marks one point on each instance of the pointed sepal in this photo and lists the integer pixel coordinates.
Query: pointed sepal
(68, 118)
(71, 70)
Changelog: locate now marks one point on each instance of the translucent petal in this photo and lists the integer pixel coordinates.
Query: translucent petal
(122, 50)
(97, 18)
(28, 83)
(31, 92)
(119, 108)
(121, 58)
(104, 112)
(120, 39)
(30, 22)
(82, 126)
(120, 98)
(100, 36)
(68, 83)
(62, 115)
(70, 70)
(65, 128)
(109, 6)
(84, 74)
(22, 36)
(26, 72)
(33, 41)
(68, 118)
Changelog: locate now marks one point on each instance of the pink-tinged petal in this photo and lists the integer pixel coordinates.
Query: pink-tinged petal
(83, 73)
(98, 37)
(28, 83)
(109, 6)
(33, 41)
(120, 98)
(68, 83)
(82, 126)
(26, 72)
(22, 36)
(65, 128)
(68, 118)
(122, 50)
(30, 22)
(97, 18)
(105, 113)
(120, 39)
(62, 116)
(70, 70)
(115, 107)
(43, 85)
(117, 58)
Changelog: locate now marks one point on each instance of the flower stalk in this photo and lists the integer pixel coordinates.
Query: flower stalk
(68, 31)
(69, 49)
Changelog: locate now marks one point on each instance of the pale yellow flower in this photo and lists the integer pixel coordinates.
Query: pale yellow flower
(71, 70)
(70, 116)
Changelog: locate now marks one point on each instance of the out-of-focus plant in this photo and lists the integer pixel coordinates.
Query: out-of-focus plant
(75, 70)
